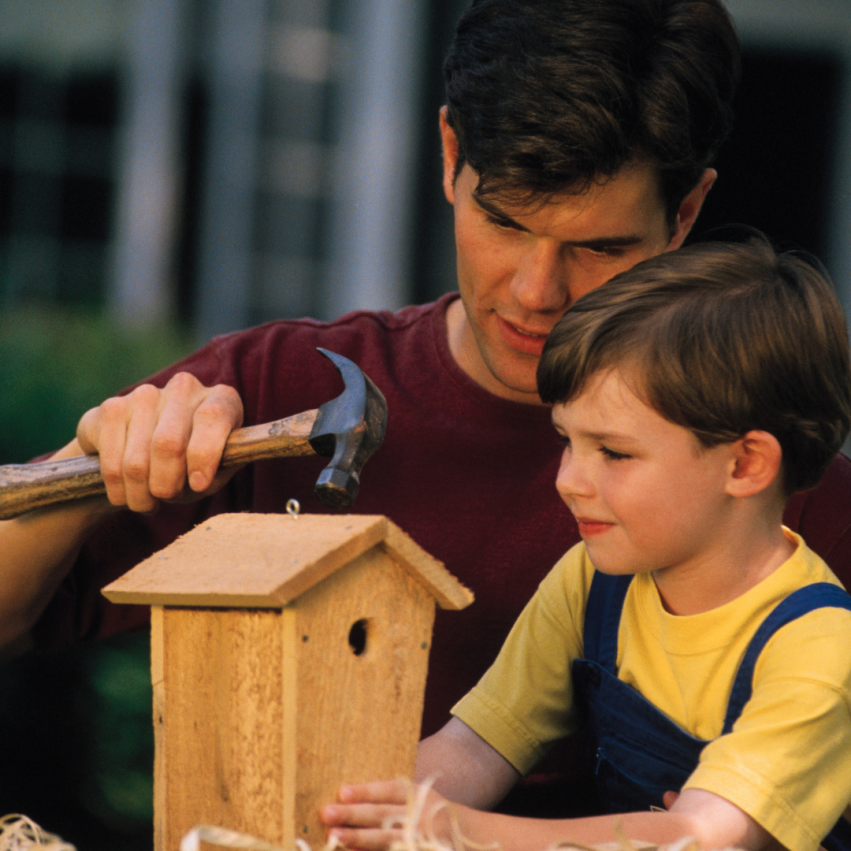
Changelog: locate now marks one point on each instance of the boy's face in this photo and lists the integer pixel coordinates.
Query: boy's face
(520, 270)
(647, 496)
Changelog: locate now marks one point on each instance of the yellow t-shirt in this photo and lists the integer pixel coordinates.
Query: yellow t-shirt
(787, 762)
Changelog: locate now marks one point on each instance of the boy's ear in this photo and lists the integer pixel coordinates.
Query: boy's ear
(756, 463)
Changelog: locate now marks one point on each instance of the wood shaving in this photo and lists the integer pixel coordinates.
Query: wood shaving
(19, 833)
(423, 839)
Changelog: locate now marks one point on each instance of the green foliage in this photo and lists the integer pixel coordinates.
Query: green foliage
(55, 365)
(116, 702)
(78, 749)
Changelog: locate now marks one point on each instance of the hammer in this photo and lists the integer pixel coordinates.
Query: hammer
(348, 428)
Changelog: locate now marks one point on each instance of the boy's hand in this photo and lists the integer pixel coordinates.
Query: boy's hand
(370, 816)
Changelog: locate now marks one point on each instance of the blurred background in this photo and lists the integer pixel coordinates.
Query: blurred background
(175, 169)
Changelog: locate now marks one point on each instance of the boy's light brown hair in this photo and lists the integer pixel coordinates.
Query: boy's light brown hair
(721, 339)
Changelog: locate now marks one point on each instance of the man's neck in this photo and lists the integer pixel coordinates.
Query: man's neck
(466, 354)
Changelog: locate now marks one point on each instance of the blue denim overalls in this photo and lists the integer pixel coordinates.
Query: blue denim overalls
(639, 752)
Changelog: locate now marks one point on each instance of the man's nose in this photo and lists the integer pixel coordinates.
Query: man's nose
(540, 283)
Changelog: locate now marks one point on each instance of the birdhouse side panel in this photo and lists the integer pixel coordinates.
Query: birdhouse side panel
(364, 636)
(222, 710)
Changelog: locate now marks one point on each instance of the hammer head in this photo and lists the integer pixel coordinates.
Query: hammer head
(349, 429)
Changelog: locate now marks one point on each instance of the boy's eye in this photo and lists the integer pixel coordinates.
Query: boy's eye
(614, 456)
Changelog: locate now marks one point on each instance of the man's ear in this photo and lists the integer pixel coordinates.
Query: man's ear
(690, 207)
(450, 155)
(757, 461)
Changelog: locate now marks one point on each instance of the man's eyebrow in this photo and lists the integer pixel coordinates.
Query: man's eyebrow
(494, 211)
(619, 241)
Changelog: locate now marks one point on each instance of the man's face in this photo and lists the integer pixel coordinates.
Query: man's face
(520, 269)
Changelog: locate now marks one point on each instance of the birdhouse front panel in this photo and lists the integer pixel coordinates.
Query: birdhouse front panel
(264, 713)
(221, 705)
(363, 642)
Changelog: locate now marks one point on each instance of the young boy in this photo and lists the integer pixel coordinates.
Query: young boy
(707, 647)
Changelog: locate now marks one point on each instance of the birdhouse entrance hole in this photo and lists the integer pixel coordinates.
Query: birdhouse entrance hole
(248, 655)
(357, 637)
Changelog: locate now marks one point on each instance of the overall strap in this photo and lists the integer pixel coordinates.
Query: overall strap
(816, 596)
(602, 618)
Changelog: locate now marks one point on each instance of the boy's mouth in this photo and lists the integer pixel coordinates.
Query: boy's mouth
(589, 528)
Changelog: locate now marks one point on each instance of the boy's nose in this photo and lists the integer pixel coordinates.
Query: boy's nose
(571, 480)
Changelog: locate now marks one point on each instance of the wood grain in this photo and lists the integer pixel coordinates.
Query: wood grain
(221, 751)
(359, 716)
(261, 715)
(268, 560)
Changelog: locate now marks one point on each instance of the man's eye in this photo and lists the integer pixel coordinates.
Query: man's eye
(614, 456)
(505, 224)
(607, 250)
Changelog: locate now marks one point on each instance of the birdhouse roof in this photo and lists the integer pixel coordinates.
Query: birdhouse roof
(268, 560)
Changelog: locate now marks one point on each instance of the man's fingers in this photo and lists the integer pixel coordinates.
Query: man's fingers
(141, 421)
(166, 444)
(153, 441)
(106, 435)
(87, 431)
(214, 419)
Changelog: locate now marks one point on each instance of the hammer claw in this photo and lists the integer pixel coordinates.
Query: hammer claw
(349, 429)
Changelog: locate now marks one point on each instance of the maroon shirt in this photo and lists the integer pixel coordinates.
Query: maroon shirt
(470, 476)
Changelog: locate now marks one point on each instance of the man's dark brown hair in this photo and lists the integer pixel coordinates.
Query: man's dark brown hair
(546, 96)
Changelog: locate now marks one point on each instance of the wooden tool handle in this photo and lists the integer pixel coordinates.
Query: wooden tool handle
(25, 487)
(280, 439)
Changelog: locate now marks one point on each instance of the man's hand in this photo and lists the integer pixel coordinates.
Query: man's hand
(370, 816)
(162, 444)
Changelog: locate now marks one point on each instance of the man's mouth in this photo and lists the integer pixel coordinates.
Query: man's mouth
(528, 333)
(522, 339)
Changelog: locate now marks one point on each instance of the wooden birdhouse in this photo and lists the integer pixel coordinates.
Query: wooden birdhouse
(289, 656)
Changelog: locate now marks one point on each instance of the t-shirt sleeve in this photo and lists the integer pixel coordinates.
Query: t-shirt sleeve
(524, 702)
(786, 761)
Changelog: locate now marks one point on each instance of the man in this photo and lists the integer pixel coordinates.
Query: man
(577, 139)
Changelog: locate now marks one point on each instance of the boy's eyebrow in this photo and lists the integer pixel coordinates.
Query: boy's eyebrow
(602, 436)
(622, 240)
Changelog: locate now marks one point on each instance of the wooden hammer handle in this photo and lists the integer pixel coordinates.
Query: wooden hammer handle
(25, 487)
(280, 439)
